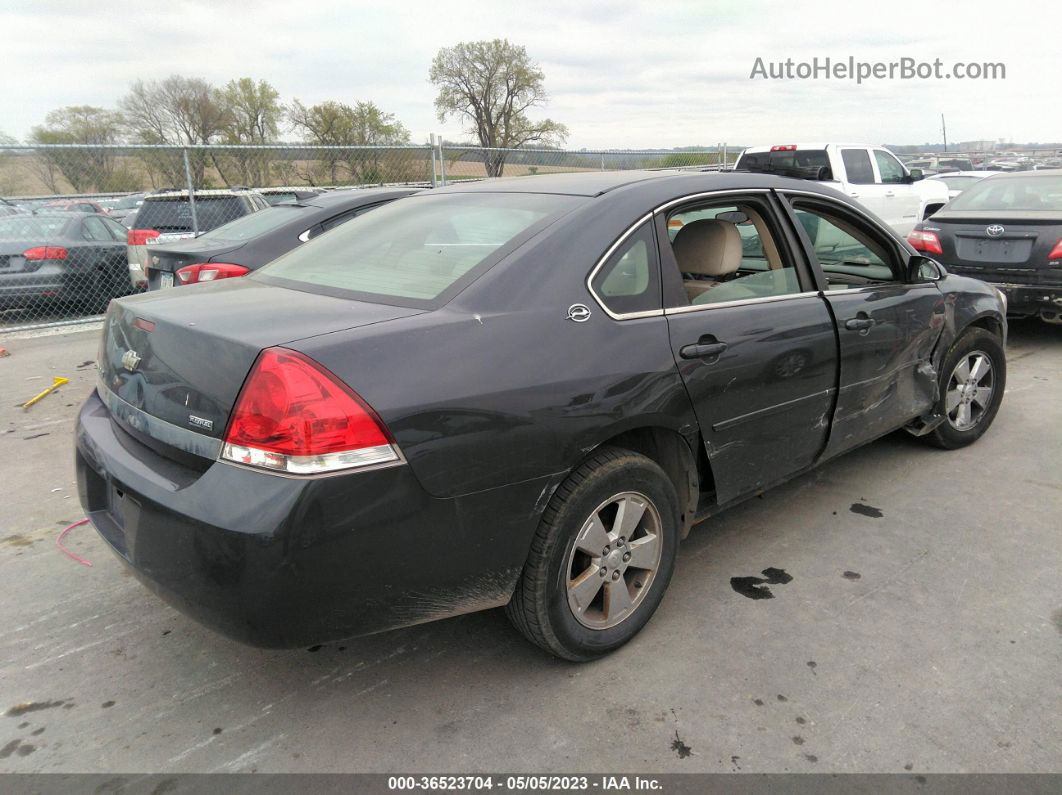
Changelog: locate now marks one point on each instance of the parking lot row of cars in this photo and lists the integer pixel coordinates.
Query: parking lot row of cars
(75, 251)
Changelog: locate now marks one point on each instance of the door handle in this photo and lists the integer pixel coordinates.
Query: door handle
(702, 350)
(858, 323)
(854, 195)
(890, 194)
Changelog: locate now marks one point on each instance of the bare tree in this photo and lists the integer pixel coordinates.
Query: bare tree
(179, 111)
(491, 85)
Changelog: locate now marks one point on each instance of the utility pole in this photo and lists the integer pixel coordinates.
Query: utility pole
(944, 129)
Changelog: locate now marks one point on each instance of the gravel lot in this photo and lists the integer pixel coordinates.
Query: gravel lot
(921, 630)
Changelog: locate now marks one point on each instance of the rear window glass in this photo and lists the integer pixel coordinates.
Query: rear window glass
(418, 248)
(175, 215)
(30, 227)
(958, 183)
(1011, 193)
(783, 160)
(254, 224)
(277, 198)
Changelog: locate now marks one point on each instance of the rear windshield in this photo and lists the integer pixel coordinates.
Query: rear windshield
(254, 224)
(1011, 193)
(21, 227)
(277, 198)
(958, 183)
(175, 215)
(416, 249)
(783, 159)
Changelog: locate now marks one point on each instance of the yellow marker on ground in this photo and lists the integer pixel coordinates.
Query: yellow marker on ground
(59, 381)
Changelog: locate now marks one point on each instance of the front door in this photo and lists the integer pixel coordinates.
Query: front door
(753, 339)
(887, 327)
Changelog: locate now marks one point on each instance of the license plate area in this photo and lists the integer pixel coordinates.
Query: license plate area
(1009, 250)
(165, 280)
(116, 504)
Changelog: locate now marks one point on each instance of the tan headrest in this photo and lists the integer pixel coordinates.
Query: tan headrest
(708, 247)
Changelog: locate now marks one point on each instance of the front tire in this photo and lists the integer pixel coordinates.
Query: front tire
(601, 559)
(973, 379)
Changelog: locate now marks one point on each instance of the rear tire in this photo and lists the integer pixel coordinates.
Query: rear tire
(601, 558)
(972, 382)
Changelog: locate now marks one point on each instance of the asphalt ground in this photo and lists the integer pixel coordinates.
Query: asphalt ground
(921, 630)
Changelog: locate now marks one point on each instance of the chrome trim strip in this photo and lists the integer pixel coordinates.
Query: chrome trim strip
(166, 432)
(767, 299)
(706, 194)
(777, 407)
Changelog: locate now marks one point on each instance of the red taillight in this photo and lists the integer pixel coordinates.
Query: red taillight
(138, 237)
(784, 148)
(44, 252)
(294, 416)
(1056, 252)
(209, 272)
(925, 241)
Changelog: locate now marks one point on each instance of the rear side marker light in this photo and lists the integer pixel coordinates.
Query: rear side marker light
(1056, 252)
(294, 416)
(209, 272)
(927, 242)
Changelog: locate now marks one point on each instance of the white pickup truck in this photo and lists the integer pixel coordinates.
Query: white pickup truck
(872, 175)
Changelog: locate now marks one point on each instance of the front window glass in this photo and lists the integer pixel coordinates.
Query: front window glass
(417, 248)
(889, 167)
(849, 255)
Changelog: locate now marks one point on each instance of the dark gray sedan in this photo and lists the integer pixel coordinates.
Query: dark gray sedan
(1006, 230)
(61, 257)
(517, 392)
(248, 243)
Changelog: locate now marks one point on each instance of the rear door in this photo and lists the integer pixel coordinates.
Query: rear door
(887, 327)
(863, 185)
(757, 349)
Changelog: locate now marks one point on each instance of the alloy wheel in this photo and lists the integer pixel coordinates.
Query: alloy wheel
(970, 390)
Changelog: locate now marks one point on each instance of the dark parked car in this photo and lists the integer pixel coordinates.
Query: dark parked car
(166, 216)
(248, 243)
(61, 257)
(516, 392)
(1007, 230)
(74, 206)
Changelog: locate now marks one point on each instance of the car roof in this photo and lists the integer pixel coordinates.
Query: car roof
(799, 145)
(982, 174)
(662, 182)
(353, 197)
(578, 183)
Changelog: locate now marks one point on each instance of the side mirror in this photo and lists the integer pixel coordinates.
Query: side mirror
(924, 269)
(916, 174)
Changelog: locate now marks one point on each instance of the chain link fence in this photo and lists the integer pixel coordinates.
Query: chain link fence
(78, 223)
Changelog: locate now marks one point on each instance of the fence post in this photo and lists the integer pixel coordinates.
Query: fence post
(442, 162)
(432, 140)
(191, 193)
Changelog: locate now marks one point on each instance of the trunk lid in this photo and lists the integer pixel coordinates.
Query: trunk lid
(172, 363)
(1016, 255)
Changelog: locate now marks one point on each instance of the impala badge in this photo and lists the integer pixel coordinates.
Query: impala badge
(130, 359)
(579, 313)
(202, 423)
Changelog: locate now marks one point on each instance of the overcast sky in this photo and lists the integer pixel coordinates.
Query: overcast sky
(620, 74)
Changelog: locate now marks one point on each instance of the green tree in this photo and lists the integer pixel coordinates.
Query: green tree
(490, 85)
(337, 124)
(253, 114)
(92, 168)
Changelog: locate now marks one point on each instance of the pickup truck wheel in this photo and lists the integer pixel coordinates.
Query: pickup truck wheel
(972, 383)
(601, 559)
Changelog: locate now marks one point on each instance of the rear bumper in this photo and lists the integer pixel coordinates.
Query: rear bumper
(48, 283)
(1030, 300)
(284, 562)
